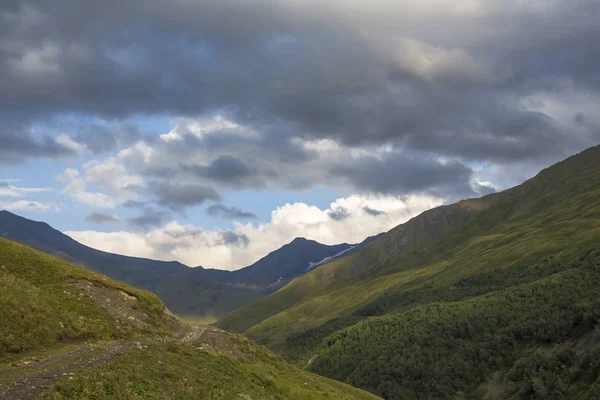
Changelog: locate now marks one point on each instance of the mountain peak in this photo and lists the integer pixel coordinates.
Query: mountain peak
(300, 239)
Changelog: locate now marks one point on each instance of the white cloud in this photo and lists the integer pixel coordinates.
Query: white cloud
(15, 191)
(65, 141)
(194, 246)
(199, 128)
(110, 176)
(140, 153)
(76, 189)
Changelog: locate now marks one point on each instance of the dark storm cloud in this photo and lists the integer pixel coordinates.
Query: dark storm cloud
(17, 144)
(133, 204)
(148, 219)
(160, 172)
(102, 218)
(223, 211)
(348, 71)
(339, 214)
(178, 196)
(372, 212)
(99, 138)
(230, 238)
(226, 169)
(398, 173)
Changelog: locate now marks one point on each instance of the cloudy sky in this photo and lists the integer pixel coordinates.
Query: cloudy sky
(213, 132)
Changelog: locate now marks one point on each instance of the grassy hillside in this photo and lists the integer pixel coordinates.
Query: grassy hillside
(67, 333)
(380, 309)
(42, 304)
(178, 371)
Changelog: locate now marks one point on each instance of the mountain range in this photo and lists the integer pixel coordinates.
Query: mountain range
(494, 298)
(193, 292)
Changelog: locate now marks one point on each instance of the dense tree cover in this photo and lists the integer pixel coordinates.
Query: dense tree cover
(565, 372)
(301, 346)
(442, 349)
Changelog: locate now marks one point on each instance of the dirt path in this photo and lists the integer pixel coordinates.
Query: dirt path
(34, 377)
(45, 372)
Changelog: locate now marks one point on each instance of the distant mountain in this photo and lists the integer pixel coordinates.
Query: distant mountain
(140, 272)
(186, 291)
(280, 266)
(197, 291)
(495, 297)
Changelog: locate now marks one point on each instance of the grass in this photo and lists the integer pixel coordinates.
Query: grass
(197, 320)
(175, 371)
(39, 308)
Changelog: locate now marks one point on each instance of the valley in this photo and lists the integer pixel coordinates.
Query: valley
(492, 298)
(70, 333)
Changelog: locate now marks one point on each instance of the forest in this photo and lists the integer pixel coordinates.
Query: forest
(538, 339)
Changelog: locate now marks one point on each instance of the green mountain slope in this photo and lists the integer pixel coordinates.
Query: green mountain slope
(410, 238)
(67, 332)
(538, 339)
(535, 245)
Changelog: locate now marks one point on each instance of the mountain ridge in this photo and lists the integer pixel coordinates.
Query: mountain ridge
(193, 292)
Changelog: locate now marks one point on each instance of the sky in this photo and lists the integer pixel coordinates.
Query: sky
(213, 132)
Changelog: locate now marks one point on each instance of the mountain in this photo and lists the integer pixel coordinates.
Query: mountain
(486, 298)
(210, 292)
(69, 333)
(139, 272)
(195, 292)
(280, 266)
